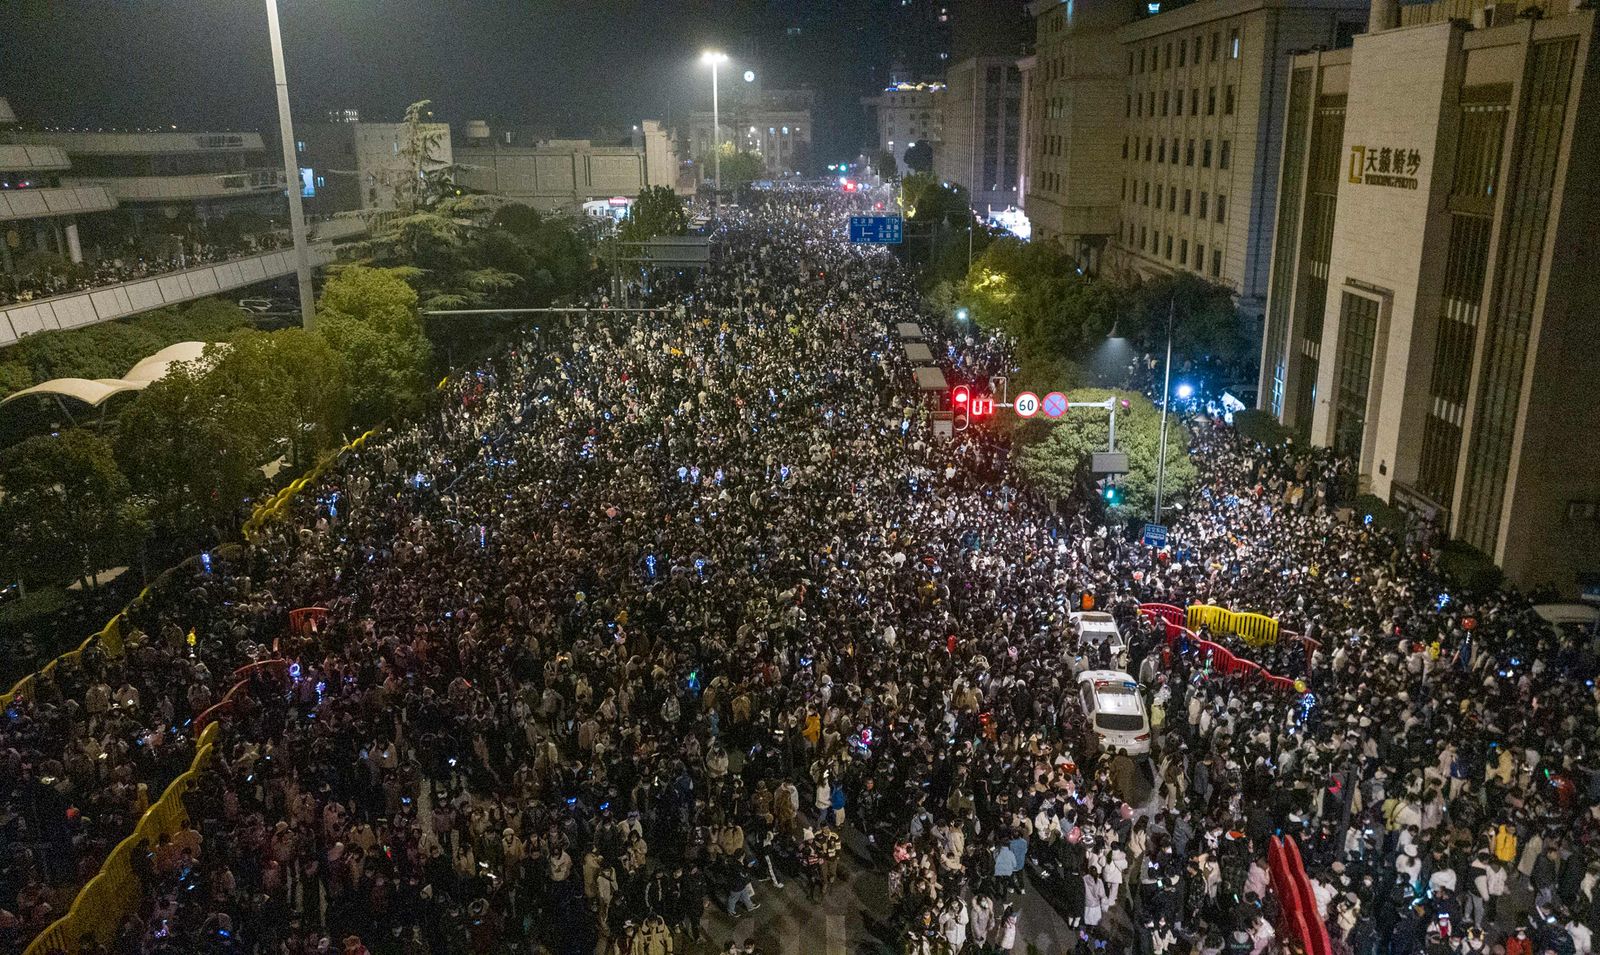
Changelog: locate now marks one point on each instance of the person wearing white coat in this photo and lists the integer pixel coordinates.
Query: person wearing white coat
(1095, 900)
(953, 924)
(1008, 930)
(981, 925)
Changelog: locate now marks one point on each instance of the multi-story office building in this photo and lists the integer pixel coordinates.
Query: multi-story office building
(774, 124)
(38, 211)
(1074, 130)
(982, 131)
(346, 164)
(1205, 90)
(166, 173)
(906, 113)
(1434, 272)
(564, 174)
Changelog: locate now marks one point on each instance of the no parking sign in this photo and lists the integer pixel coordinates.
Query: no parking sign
(1054, 405)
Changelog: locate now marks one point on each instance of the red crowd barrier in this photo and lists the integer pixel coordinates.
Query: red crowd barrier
(1222, 659)
(1297, 907)
(307, 620)
(242, 677)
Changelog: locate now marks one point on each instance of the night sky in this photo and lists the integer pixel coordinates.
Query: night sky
(575, 65)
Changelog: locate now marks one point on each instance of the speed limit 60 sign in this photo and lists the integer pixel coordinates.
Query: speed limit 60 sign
(1026, 405)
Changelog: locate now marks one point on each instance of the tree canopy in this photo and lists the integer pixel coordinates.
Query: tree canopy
(66, 511)
(1059, 462)
(657, 211)
(370, 318)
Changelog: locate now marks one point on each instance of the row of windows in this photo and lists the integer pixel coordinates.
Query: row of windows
(1140, 193)
(1158, 57)
(1144, 104)
(1158, 148)
(1155, 243)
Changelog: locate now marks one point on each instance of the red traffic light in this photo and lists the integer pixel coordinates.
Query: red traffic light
(961, 394)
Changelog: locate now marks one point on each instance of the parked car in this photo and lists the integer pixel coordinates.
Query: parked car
(1114, 706)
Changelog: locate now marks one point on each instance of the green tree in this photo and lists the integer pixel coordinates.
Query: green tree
(284, 392)
(192, 462)
(739, 169)
(370, 318)
(657, 211)
(66, 512)
(1206, 321)
(1058, 462)
(886, 165)
(427, 177)
(919, 156)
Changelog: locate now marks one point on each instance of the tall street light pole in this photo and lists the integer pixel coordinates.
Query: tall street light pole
(1166, 397)
(714, 59)
(291, 174)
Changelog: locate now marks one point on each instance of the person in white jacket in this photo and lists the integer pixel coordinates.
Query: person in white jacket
(1095, 900)
(953, 924)
(981, 924)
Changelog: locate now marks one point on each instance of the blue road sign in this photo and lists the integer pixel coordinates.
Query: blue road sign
(875, 230)
(1155, 535)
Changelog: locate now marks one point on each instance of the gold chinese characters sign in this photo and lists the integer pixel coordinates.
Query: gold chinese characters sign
(1391, 166)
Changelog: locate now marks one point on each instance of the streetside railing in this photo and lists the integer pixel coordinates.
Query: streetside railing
(1173, 621)
(273, 508)
(115, 892)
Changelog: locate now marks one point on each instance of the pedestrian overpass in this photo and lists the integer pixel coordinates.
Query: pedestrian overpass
(108, 302)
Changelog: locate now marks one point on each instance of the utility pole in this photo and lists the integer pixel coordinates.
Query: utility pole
(291, 175)
(1166, 397)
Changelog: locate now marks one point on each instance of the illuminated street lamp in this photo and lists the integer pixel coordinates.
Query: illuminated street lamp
(714, 59)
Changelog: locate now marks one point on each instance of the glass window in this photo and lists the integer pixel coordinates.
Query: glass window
(1216, 42)
(1222, 157)
(1161, 152)
(1358, 330)
(1188, 153)
(1204, 204)
(1233, 44)
(1183, 251)
(1199, 255)
(1205, 155)
(1227, 101)
(1168, 252)
(1222, 207)
(1163, 102)
(1216, 263)
(1183, 50)
(1211, 101)
(1188, 194)
(1194, 101)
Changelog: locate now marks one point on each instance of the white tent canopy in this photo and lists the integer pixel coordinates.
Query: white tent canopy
(95, 391)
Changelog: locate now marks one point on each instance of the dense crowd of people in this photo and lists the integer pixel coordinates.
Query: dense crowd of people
(658, 616)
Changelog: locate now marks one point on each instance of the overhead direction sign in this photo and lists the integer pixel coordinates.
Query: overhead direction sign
(876, 230)
(1155, 535)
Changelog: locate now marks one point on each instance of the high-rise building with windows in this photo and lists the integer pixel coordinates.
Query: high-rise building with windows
(1433, 272)
(982, 131)
(1074, 100)
(907, 113)
(1205, 86)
